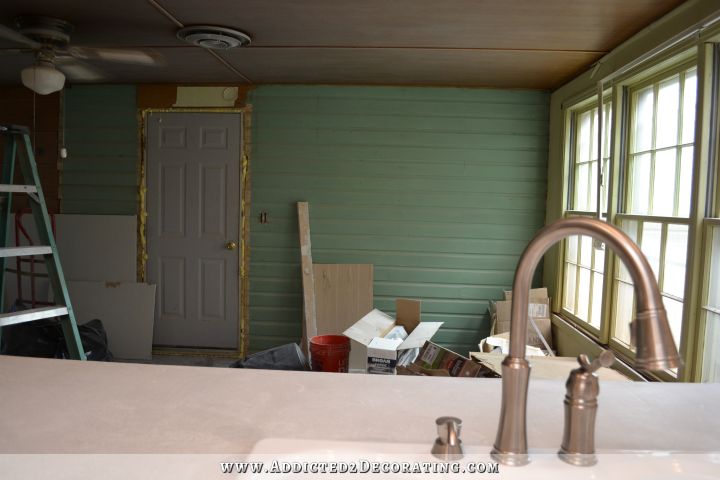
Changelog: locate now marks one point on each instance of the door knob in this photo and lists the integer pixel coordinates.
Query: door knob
(231, 245)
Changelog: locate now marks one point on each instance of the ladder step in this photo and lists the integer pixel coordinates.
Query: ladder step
(24, 251)
(18, 188)
(31, 315)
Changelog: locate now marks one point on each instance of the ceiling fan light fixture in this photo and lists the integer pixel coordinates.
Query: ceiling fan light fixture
(42, 78)
(213, 37)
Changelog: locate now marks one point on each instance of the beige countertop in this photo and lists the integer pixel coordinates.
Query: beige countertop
(64, 406)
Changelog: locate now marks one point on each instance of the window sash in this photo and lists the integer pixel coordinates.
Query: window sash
(584, 153)
(646, 198)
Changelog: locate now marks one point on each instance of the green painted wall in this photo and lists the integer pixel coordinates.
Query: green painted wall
(100, 174)
(439, 188)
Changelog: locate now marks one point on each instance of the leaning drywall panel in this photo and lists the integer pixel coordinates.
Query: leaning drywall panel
(99, 248)
(125, 309)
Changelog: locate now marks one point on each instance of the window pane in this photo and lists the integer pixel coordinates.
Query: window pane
(581, 187)
(593, 186)
(571, 249)
(585, 251)
(640, 184)
(605, 184)
(711, 352)
(668, 113)
(689, 96)
(624, 294)
(583, 294)
(607, 115)
(584, 138)
(643, 120)
(594, 139)
(714, 277)
(711, 348)
(686, 163)
(569, 290)
(596, 303)
(675, 255)
(674, 312)
(631, 228)
(651, 244)
(664, 184)
(599, 259)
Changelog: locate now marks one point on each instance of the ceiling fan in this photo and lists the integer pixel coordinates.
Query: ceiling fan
(48, 39)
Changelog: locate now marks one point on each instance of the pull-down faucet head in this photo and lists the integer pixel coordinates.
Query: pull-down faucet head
(655, 345)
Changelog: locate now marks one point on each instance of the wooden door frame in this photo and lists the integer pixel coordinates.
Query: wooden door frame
(244, 233)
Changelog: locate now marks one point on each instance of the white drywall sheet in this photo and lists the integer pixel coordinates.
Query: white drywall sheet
(99, 248)
(125, 309)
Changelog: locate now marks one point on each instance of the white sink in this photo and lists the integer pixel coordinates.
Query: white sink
(291, 453)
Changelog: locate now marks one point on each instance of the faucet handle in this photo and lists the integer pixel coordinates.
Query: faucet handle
(605, 359)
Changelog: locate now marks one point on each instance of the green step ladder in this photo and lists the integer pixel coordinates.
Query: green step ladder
(17, 144)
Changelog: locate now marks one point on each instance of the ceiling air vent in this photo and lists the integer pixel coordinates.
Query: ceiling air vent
(216, 38)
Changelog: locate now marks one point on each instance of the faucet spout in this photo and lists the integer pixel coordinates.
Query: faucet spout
(655, 345)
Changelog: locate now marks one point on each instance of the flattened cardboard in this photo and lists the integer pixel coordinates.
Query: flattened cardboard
(422, 333)
(407, 313)
(554, 368)
(374, 324)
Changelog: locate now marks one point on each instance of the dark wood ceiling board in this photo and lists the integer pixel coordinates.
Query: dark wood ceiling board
(589, 25)
(535, 70)
(566, 35)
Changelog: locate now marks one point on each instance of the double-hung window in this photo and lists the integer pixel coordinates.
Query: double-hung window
(653, 137)
(658, 190)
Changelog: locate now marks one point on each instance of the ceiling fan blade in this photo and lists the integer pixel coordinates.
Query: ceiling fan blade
(13, 35)
(15, 51)
(119, 55)
(78, 71)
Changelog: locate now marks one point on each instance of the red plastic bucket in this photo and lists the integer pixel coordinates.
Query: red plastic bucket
(329, 353)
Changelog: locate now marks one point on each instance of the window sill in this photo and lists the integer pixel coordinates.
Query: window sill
(570, 341)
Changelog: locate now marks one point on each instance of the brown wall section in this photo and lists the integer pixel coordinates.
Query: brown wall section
(16, 107)
(165, 95)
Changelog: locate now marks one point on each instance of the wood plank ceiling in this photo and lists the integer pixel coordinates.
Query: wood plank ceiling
(485, 43)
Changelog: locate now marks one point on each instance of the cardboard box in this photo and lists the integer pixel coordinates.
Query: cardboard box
(538, 311)
(539, 294)
(382, 355)
(376, 325)
(502, 341)
(435, 360)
